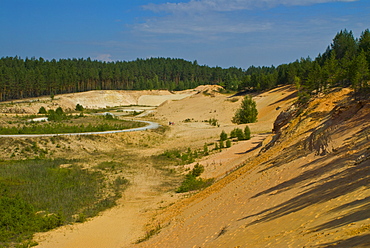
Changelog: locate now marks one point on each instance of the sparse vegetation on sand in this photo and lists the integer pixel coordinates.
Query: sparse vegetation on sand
(40, 194)
(89, 124)
(193, 182)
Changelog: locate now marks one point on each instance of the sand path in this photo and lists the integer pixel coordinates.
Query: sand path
(120, 226)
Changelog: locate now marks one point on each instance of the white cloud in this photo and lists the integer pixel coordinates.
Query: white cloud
(229, 5)
(104, 57)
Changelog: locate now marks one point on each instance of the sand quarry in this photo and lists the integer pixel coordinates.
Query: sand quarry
(305, 186)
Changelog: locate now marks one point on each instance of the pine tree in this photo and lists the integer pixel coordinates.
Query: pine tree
(247, 133)
(223, 136)
(247, 112)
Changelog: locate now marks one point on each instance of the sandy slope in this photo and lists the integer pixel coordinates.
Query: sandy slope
(124, 224)
(291, 195)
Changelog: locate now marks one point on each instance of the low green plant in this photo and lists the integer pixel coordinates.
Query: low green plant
(237, 133)
(223, 136)
(192, 182)
(42, 110)
(58, 127)
(213, 122)
(247, 133)
(38, 195)
(79, 107)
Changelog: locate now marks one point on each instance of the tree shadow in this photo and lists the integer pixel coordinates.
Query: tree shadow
(333, 186)
(259, 144)
(360, 213)
(361, 241)
(288, 97)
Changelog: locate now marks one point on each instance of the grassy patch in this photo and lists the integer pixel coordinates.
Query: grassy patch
(192, 182)
(38, 195)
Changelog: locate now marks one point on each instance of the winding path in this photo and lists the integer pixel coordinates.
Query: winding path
(151, 125)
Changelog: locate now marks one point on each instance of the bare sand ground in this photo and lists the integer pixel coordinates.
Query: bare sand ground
(291, 195)
(126, 223)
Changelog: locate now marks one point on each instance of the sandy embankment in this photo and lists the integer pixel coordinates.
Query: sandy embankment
(124, 224)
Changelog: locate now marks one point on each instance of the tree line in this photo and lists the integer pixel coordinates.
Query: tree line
(344, 63)
(31, 77)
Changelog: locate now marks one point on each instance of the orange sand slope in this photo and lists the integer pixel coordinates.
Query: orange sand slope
(310, 188)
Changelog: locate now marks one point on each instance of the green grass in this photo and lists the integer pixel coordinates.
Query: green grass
(38, 195)
(58, 127)
(193, 182)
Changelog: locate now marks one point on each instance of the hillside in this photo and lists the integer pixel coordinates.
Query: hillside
(309, 187)
(306, 185)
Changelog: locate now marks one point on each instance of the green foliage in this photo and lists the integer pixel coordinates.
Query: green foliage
(191, 181)
(57, 115)
(213, 122)
(197, 170)
(187, 157)
(19, 220)
(247, 133)
(79, 107)
(228, 143)
(39, 77)
(38, 195)
(42, 110)
(247, 112)
(216, 146)
(223, 135)
(58, 127)
(205, 149)
(237, 133)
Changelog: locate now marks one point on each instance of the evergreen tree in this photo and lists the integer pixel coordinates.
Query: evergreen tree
(247, 133)
(247, 112)
(359, 72)
(223, 136)
(42, 110)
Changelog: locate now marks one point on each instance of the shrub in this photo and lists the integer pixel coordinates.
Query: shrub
(222, 145)
(228, 143)
(38, 195)
(247, 112)
(213, 122)
(79, 107)
(247, 133)
(191, 181)
(223, 136)
(237, 133)
(205, 149)
(42, 110)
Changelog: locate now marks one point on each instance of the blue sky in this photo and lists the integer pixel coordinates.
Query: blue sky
(222, 33)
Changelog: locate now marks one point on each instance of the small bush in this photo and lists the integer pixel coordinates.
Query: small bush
(222, 145)
(247, 133)
(42, 110)
(191, 181)
(223, 136)
(205, 149)
(213, 122)
(237, 133)
(79, 107)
